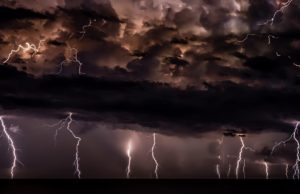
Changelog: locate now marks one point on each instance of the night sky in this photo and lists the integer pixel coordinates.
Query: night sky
(215, 82)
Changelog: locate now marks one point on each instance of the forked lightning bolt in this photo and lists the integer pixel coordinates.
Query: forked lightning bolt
(11, 145)
(73, 59)
(128, 151)
(84, 27)
(243, 147)
(67, 123)
(284, 6)
(28, 47)
(291, 138)
(153, 155)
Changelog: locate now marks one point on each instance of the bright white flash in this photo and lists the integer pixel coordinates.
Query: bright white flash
(243, 147)
(291, 138)
(11, 145)
(67, 123)
(129, 148)
(28, 47)
(153, 155)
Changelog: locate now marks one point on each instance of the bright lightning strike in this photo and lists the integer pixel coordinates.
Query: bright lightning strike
(28, 47)
(12, 146)
(67, 122)
(129, 148)
(243, 147)
(153, 156)
(292, 137)
(266, 169)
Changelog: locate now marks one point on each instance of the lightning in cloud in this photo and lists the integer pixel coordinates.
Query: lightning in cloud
(242, 149)
(128, 151)
(284, 6)
(28, 47)
(153, 155)
(85, 27)
(67, 122)
(294, 138)
(72, 59)
(12, 147)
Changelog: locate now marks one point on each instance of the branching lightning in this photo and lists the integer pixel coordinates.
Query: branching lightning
(129, 149)
(153, 155)
(243, 147)
(74, 59)
(11, 145)
(84, 28)
(67, 122)
(291, 138)
(284, 6)
(28, 47)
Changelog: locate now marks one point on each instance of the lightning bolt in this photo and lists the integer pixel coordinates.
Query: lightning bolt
(153, 156)
(229, 170)
(291, 138)
(12, 146)
(28, 47)
(73, 59)
(129, 149)
(220, 142)
(243, 147)
(67, 122)
(284, 6)
(287, 170)
(244, 168)
(84, 27)
(218, 171)
(266, 169)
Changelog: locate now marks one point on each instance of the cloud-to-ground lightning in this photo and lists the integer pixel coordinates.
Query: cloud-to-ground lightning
(284, 6)
(218, 171)
(286, 170)
(153, 155)
(11, 145)
(266, 169)
(28, 47)
(243, 147)
(229, 170)
(74, 59)
(84, 28)
(220, 142)
(291, 138)
(67, 122)
(128, 152)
